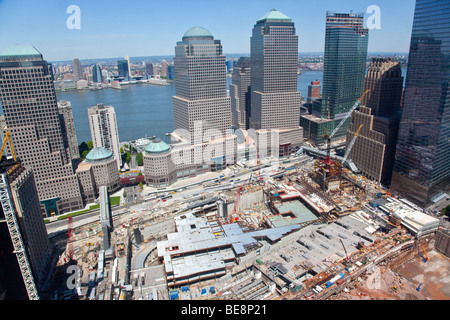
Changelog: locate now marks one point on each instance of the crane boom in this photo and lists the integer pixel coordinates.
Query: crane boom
(352, 143)
(348, 114)
(8, 137)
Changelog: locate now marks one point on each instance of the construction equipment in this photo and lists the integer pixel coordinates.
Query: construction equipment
(328, 137)
(238, 197)
(8, 137)
(352, 143)
(424, 257)
(419, 287)
(348, 114)
(346, 254)
(69, 239)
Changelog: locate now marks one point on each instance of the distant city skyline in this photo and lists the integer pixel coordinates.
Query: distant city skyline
(113, 29)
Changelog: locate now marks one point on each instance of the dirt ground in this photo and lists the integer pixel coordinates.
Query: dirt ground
(379, 284)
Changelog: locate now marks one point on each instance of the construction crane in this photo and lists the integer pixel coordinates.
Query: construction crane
(352, 143)
(8, 137)
(348, 114)
(328, 137)
(69, 240)
(346, 254)
(238, 197)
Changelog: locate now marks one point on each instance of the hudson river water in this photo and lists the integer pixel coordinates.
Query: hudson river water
(141, 109)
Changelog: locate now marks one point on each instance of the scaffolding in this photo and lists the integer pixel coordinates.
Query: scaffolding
(14, 230)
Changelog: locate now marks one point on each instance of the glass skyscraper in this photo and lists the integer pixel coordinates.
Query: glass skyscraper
(97, 74)
(346, 42)
(422, 161)
(122, 68)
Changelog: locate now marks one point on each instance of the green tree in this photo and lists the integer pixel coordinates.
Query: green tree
(140, 159)
(90, 145)
(141, 185)
(128, 157)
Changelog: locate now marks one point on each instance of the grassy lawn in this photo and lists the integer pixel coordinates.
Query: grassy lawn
(113, 200)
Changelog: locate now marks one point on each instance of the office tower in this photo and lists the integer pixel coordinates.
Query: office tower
(240, 93)
(97, 76)
(164, 68)
(122, 68)
(149, 68)
(374, 149)
(385, 81)
(104, 133)
(68, 129)
(77, 70)
(346, 42)
(422, 160)
(31, 112)
(129, 65)
(313, 91)
(25, 249)
(200, 79)
(275, 101)
(171, 72)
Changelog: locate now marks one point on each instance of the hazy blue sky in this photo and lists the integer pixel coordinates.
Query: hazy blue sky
(147, 27)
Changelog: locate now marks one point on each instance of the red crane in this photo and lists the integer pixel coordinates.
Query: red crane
(69, 238)
(238, 197)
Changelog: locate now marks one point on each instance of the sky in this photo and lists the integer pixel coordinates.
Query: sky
(111, 28)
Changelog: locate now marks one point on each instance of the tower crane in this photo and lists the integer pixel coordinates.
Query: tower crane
(8, 137)
(352, 143)
(336, 129)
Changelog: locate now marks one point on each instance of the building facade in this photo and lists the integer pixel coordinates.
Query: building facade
(122, 68)
(240, 93)
(31, 113)
(422, 160)
(104, 132)
(25, 249)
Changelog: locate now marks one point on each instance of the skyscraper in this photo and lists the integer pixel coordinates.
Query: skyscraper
(104, 133)
(127, 58)
(122, 68)
(68, 128)
(31, 113)
(149, 68)
(77, 69)
(97, 74)
(240, 93)
(25, 248)
(346, 42)
(374, 149)
(422, 160)
(313, 91)
(275, 101)
(200, 78)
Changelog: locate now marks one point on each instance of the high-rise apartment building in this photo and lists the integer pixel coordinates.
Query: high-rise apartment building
(104, 133)
(346, 43)
(25, 249)
(97, 75)
(374, 151)
(164, 68)
(200, 79)
(77, 70)
(127, 59)
(31, 113)
(68, 128)
(240, 93)
(275, 100)
(422, 160)
(149, 68)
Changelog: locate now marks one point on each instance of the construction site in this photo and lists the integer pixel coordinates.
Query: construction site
(309, 227)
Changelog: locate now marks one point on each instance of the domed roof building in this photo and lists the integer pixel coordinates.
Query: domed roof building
(159, 170)
(98, 169)
(197, 32)
(158, 146)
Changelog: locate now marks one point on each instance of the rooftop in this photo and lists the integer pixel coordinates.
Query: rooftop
(19, 51)
(157, 147)
(197, 32)
(99, 154)
(274, 15)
